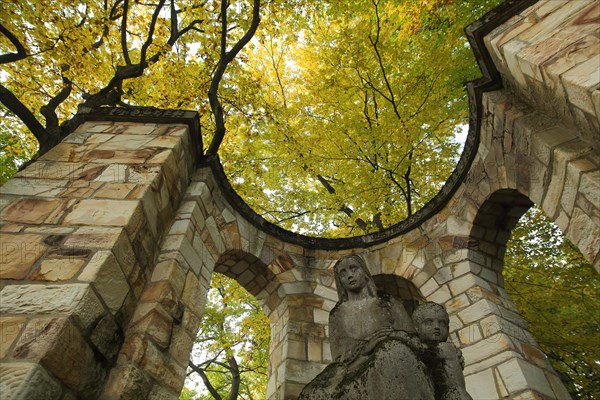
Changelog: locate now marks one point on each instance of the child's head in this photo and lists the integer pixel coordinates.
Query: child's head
(431, 322)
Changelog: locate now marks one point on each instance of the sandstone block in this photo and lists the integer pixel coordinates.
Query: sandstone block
(72, 299)
(96, 212)
(105, 274)
(579, 82)
(441, 295)
(18, 253)
(170, 271)
(138, 128)
(485, 349)
(481, 385)
(58, 268)
(125, 142)
(60, 347)
(34, 211)
(194, 294)
(469, 334)
(126, 382)
(519, 375)
(159, 392)
(10, 328)
(29, 381)
(107, 338)
(33, 187)
(181, 346)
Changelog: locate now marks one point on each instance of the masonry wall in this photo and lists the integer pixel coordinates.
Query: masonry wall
(109, 242)
(79, 236)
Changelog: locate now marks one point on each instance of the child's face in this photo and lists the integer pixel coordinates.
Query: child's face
(434, 326)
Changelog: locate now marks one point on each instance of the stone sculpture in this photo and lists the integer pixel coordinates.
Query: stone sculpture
(377, 352)
(373, 344)
(432, 324)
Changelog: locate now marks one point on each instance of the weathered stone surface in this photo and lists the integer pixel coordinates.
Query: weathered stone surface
(484, 349)
(75, 299)
(125, 142)
(33, 187)
(34, 211)
(58, 268)
(105, 274)
(162, 393)
(117, 191)
(107, 338)
(153, 323)
(519, 375)
(19, 253)
(102, 212)
(59, 346)
(126, 382)
(479, 385)
(27, 381)
(10, 328)
(181, 346)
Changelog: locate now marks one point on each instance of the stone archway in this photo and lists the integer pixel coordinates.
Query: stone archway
(517, 365)
(138, 233)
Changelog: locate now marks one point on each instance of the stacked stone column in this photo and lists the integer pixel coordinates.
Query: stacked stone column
(78, 240)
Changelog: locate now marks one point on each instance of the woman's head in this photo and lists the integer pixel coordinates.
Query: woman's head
(352, 276)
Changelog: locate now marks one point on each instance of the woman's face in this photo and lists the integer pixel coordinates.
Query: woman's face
(351, 275)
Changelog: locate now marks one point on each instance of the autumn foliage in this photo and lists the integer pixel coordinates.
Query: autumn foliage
(331, 118)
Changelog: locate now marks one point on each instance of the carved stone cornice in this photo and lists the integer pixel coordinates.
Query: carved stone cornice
(148, 115)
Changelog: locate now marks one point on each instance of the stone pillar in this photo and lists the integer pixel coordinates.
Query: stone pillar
(548, 55)
(78, 238)
(299, 337)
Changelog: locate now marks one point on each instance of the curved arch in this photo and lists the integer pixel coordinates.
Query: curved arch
(490, 80)
(496, 217)
(400, 288)
(248, 270)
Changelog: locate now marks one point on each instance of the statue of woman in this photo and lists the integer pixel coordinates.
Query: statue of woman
(373, 344)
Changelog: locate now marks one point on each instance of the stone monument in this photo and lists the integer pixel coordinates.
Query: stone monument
(377, 351)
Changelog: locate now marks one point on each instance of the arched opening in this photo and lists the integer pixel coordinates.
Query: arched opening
(553, 285)
(491, 230)
(522, 274)
(399, 288)
(230, 358)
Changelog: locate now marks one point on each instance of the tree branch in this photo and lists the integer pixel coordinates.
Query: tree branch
(235, 378)
(345, 209)
(207, 383)
(150, 37)
(24, 114)
(374, 43)
(124, 32)
(11, 57)
(224, 61)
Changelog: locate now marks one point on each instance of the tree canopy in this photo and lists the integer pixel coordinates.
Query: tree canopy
(317, 100)
(556, 290)
(331, 118)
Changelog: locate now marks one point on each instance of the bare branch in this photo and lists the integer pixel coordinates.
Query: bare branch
(49, 110)
(235, 378)
(124, 32)
(374, 43)
(224, 61)
(150, 37)
(24, 114)
(345, 209)
(11, 57)
(205, 379)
